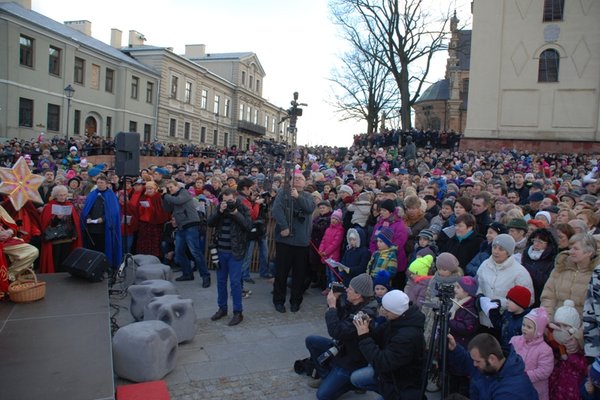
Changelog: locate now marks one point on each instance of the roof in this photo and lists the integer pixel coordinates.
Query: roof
(463, 50)
(437, 91)
(60, 29)
(225, 56)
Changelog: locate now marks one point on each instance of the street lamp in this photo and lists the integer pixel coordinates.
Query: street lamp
(69, 92)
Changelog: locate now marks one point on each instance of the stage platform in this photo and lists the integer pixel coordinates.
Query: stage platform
(58, 347)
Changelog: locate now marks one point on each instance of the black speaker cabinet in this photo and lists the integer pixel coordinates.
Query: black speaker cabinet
(87, 264)
(127, 147)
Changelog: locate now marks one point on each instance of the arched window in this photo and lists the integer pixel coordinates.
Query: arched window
(553, 10)
(548, 68)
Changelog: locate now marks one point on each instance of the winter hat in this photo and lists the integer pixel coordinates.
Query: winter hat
(345, 189)
(466, 203)
(353, 233)
(506, 242)
(539, 316)
(421, 265)
(70, 174)
(426, 251)
(365, 196)
(94, 172)
(362, 284)
(469, 285)
(83, 163)
(502, 200)
(498, 227)
(382, 278)
(518, 223)
(73, 148)
(595, 372)
(519, 295)
(538, 223)
(447, 262)
(386, 235)
(324, 203)
(544, 214)
(162, 171)
(537, 196)
(395, 301)
(337, 214)
(568, 315)
(427, 234)
(388, 205)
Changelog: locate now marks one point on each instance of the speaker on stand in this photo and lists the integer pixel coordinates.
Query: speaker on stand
(127, 147)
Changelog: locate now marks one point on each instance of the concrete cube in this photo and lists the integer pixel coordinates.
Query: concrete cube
(144, 351)
(153, 271)
(145, 292)
(176, 312)
(142, 259)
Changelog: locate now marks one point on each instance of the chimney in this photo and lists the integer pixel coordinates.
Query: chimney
(26, 4)
(195, 50)
(116, 38)
(136, 38)
(82, 26)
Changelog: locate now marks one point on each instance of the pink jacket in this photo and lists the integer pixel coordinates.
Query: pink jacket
(536, 353)
(332, 242)
(397, 225)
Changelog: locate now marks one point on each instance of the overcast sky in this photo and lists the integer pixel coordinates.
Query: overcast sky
(295, 41)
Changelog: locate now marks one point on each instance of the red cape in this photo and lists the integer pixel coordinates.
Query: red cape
(47, 261)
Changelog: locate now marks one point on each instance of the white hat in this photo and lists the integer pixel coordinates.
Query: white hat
(346, 189)
(568, 315)
(73, 148)
(395, 301)
(544, 214)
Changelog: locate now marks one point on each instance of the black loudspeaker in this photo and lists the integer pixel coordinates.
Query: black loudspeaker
(127, 146)
(87, 264)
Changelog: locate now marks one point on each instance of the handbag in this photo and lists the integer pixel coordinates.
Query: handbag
(58, 232)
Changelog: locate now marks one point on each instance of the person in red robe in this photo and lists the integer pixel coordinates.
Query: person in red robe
(59, 211)
(152, 217)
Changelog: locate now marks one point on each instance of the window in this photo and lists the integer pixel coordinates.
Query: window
(548, 68)
(173, 127)
(149, 92)
(227, 107)
(553, 10)
(243, 78)
(79, 70)
(258, 85)
(109, 80)
(54, 60)
(186, 130)
(204, 100)
(255, 117)
(215, 137)
(108, 127)
(95, 77)
(188, 92)
(135, 84)
(226, 139)
(53, 118)
(203, 134)
(250, 81)
(26, 51)
(273, 125)
(174, 83)
(217, 107)
(77, 122)
(266, 122)
(247, 143)
(147, 132)
(132, 126)
(248, 113)
(241, 117)
(26, 112)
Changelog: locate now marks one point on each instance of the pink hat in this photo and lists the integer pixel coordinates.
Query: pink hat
(337, 214)
(70, 174)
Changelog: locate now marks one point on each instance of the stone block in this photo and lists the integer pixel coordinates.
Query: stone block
(153, 271)
(145, 292)
(176, 312)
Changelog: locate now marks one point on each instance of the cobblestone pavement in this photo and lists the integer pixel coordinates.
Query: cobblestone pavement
(250, 361)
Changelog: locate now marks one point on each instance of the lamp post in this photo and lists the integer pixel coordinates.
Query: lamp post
(69, 92)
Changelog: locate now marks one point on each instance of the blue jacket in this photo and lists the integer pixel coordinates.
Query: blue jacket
(510, 383)
(355, 258)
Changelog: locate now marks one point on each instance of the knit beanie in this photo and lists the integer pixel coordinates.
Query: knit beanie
(162, 171)
(382, 278)
(518, 223)
(337, 214)
(362, 284)
(539, 316)
(395, 301)
(353, 234)
(506, 242)
(427, 234)
(465, 202)
(447, 262)
(498, 227)
(568, 315)
(544, 214)
(345, 189)
(421, 265)
(469, 285)
(519, 295)
(595, 372)
(94, 172)
(386, 235)
(388, 205)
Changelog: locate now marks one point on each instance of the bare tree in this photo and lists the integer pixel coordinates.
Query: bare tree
(407, 33)
(366, 89)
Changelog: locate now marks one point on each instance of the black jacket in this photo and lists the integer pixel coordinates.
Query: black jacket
(241, 223)
(465, 249)
(396, 349)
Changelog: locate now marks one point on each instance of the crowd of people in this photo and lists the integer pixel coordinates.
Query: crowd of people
(381, 229)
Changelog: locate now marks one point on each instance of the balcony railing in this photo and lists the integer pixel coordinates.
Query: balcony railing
(252, 128)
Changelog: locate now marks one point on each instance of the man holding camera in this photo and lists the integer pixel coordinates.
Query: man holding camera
(292, 211)
(232, 223)
(336, 358)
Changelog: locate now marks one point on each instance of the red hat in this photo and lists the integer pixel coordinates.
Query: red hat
(519, 295)
(537, 223)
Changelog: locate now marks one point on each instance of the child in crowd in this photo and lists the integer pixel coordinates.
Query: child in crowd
(419, 276)
(356, 257)
(464, 319)
(535, 352)
(381, 285)
(425, 241)
(330, 247)
(385, 255)
(509, 323)
(570, 370)
(590, 390)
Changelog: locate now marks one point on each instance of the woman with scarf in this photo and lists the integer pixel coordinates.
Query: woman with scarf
(151, 218)
(59, 212)
(466, 241)
(538, 260)
(101, 222)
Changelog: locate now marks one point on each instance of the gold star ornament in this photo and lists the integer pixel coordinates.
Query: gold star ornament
(20, 185)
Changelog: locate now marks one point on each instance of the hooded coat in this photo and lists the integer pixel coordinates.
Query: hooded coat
(541, 268)
(355, 258)
(536, 353)
(331, 244)
(399, 239)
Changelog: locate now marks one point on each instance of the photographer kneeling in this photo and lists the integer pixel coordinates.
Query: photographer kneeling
(336, 358)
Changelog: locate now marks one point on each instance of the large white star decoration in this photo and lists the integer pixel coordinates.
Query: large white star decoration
(20, 184)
